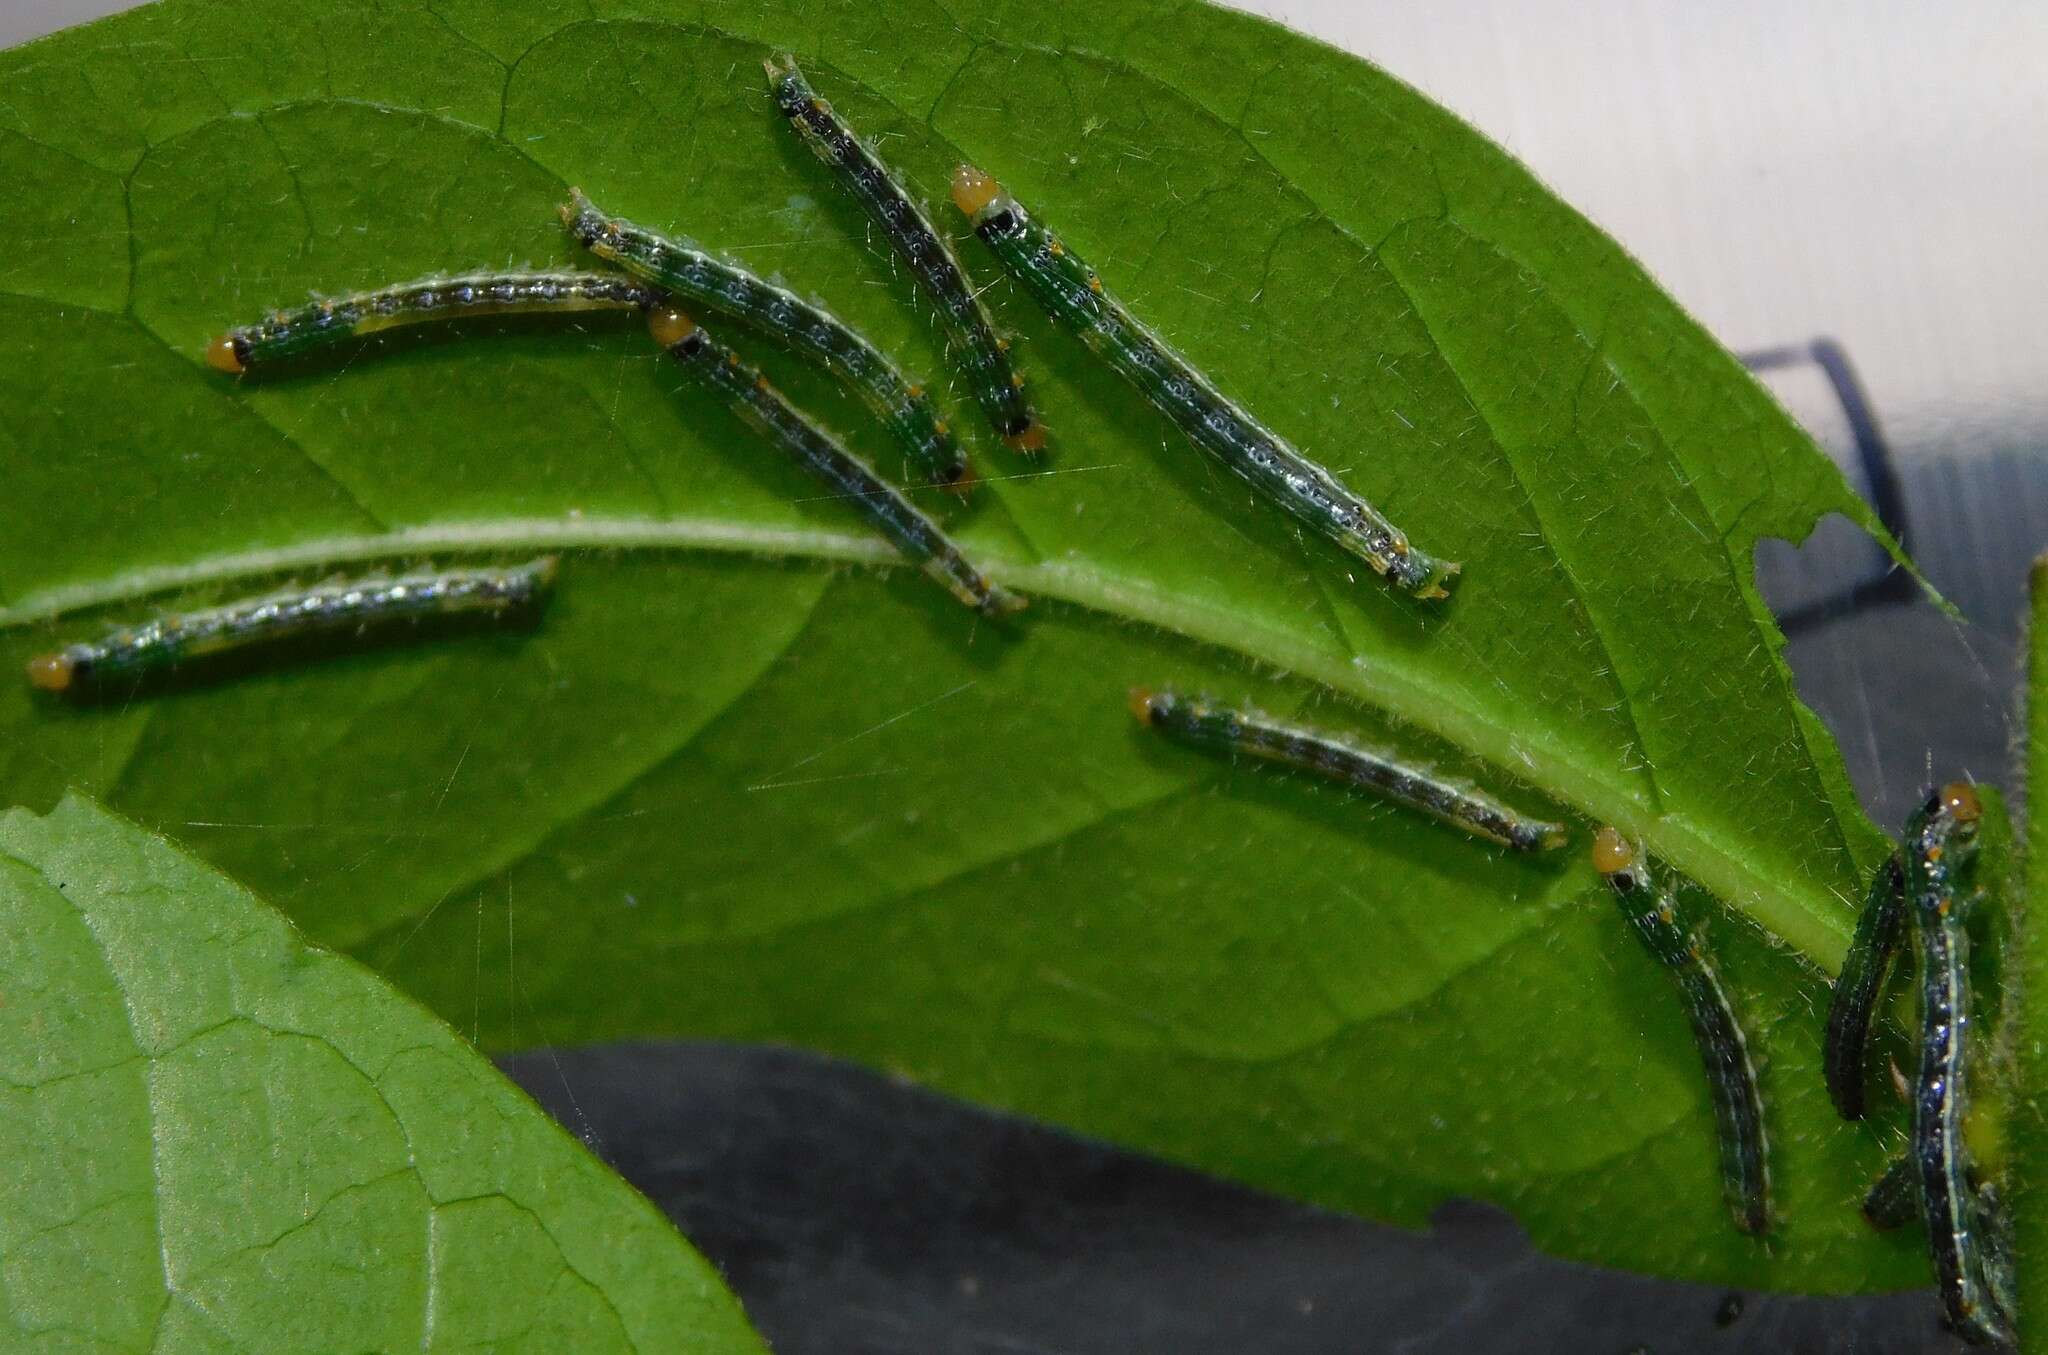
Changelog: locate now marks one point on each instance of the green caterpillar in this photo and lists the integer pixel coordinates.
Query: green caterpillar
(322, 324)
(904, 407)
(969, 331)
(1731, 1077)
(1939, 851)
(1069, 289)
(1227, 730)
(1852, 1008)
(330, 608)
(748, 394)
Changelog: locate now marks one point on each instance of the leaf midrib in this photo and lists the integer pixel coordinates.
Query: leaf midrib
(1805, 917)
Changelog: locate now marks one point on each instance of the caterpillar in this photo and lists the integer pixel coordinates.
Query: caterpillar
(329, 608)
(1668, 936)
(1072, 293)
(321, 324)
(1894, 1201)
(744, 390)
(1852, 1007)
(1939, 853)
(905, 408)
(1198, 722)
(970, 333)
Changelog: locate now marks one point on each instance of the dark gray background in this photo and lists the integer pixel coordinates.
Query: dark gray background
(1867, 174)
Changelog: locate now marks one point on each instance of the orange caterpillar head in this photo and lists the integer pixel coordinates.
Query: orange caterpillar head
(51, 672)
(1614, 856)
(973, 189)
(1960, 799)
(669, 326)
(1141, 704)
(1030, 439)
(225, 355)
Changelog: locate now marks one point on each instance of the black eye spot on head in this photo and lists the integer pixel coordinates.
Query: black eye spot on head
(1002, 223)
(1624, 881)
(690, 345)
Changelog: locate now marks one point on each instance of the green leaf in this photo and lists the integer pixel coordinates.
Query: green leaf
(743, 785)
(220, 1138)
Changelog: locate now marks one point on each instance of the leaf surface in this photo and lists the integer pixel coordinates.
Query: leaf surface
(222, 1139)
(743, 784)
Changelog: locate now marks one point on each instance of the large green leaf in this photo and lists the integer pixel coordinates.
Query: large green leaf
(741, 784)
(220, 1139)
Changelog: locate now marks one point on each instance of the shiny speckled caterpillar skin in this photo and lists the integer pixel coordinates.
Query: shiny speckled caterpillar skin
(971, 334)
(747, 393)
(322, 324)
(1924, 881)
(1852, 1007)
(1653, 912)
(1939, 853)
(329, 608)
(1071, 292)
(1224, 729)
(905, 408)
